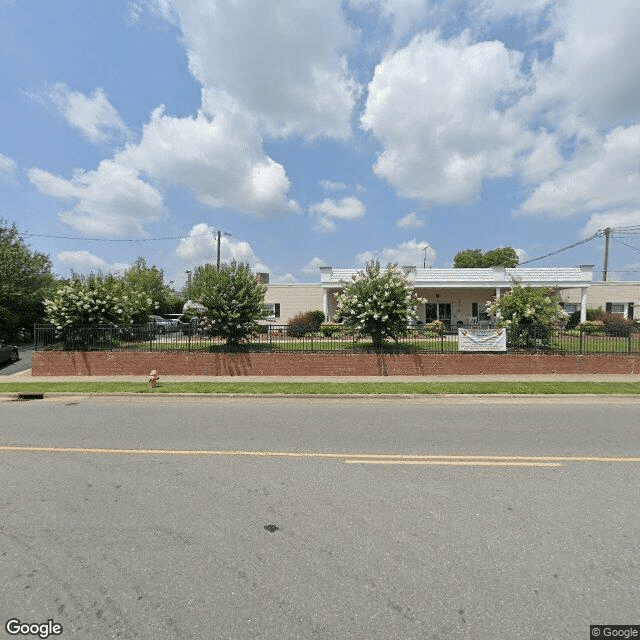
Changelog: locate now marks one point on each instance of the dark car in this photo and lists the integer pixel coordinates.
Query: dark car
(8, 353)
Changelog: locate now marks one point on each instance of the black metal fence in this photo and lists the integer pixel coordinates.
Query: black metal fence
(284, 338)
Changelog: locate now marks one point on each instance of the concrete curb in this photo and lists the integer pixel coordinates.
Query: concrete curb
(15, 395)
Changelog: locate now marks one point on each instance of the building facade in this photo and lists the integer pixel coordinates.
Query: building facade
(615, 297)
(459, 296)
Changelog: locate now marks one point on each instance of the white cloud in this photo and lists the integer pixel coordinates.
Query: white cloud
(287, 278)
(219, 159)
(404, 14)
(283, 60)
(594, 72)
(94, 116)
(330, 185)
(495, 10)
(441, 111)
(8, 167)
(313, 266)
(604, 176)
(523, 256)
(407, 254)
(112, 200)
(135, 11)
(200, 247)
(543, 158)
(410, 221)
(598, 221)
(349, 208)
(87, 262)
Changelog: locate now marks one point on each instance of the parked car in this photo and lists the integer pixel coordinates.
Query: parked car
(8, 353)
(162, 325)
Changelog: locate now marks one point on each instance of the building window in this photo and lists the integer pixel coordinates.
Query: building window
(624, 309)
(615, 307)
(570, 307)
(272, 309)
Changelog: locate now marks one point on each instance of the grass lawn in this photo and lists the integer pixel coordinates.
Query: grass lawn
(450, 343)
(330, 388)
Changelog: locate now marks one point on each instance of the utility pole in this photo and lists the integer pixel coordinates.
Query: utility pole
(424, 262)
(607, 233)
(218, 256)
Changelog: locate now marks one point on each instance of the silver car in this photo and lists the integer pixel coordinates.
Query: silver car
(162, 325)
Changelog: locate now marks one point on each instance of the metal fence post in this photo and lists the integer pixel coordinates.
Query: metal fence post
(581, 334)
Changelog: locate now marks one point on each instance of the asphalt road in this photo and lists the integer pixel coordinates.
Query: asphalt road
(145, 518)
(24, 363)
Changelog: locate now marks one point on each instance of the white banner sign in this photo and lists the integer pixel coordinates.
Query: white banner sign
(482, 339)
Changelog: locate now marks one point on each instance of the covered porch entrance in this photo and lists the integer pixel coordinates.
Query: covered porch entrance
(438, 311)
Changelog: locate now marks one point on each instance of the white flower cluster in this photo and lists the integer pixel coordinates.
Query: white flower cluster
(526, 305)
(378, 300)
(78, 303)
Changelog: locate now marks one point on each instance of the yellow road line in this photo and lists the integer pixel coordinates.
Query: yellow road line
(352, 458)
(459, 463)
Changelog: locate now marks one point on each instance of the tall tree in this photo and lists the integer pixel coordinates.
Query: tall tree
(476, 259)
(468, 259)
(150, 279)
(233, 298)
(25, 281)
(527, 313)
(378, 302)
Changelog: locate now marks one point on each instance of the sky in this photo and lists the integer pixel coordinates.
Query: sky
(320, 132)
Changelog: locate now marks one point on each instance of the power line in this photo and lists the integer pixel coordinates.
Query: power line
(631, 230)
(625, 231)
(553, 253)
(42, 235)
(627, 245)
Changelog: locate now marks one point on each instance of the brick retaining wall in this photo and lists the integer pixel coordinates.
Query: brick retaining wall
(100, 363)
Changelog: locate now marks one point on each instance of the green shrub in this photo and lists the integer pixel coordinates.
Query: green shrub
(331, 329)
(436, 327)
(318, 316)
(303, 323)
(615, 325)
(590, 327)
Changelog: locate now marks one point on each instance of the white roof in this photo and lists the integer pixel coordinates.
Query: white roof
(564, 277)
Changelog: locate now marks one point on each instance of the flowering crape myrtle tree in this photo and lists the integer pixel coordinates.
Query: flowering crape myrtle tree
(97, 302)
(378, 302)
(527, 313)
(233, 298)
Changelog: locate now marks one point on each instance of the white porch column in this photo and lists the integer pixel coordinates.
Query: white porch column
(325, 304)
(498, 290)
(583, 305)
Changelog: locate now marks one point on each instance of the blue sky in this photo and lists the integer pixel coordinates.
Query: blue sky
(320, 132)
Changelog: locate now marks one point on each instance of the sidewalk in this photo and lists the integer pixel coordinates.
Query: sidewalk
(25, 376)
